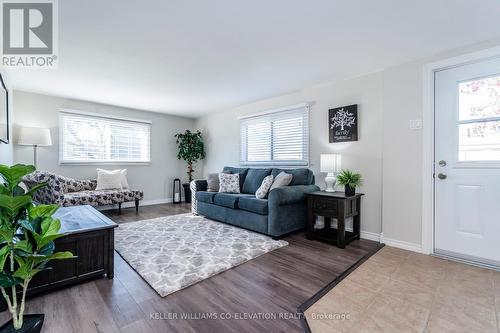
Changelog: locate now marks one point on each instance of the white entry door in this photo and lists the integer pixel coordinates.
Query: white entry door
(467, 162)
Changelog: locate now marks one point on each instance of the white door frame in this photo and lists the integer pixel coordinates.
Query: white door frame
(428, 136)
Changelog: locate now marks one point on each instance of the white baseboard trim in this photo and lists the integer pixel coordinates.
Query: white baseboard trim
(373, 236)
(142, 203)
(402, 245)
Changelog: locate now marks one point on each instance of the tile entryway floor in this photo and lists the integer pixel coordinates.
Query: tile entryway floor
(401, 291)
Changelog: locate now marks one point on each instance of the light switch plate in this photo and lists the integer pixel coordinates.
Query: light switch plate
(415, 124)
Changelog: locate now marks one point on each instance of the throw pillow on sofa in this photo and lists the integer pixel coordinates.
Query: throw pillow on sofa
(262, 191)
(282, 179)
(109, 179)
(124, 179)
(213, 182)
(229, 183)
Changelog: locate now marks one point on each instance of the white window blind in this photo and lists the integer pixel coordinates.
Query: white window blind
(88, 138)
(279, 137)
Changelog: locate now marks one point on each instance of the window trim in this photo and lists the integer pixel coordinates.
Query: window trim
(292, 164)
(62, 111)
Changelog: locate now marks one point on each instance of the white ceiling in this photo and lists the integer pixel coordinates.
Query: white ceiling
(194, 57)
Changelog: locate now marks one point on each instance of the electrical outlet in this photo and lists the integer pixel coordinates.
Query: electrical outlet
(415, 124)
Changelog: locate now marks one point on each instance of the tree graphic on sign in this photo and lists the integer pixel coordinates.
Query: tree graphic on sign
(343, 118)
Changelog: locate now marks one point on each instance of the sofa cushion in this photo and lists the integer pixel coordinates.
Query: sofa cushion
(301, 176)
(207, 197)
(282, 179)
(93, 198)
(254, 179)
(213, 182)
(229, 183)
(109, 179)
(254, 205)
(263, 190)
(241, 171)
(229, 200)
(75, 185)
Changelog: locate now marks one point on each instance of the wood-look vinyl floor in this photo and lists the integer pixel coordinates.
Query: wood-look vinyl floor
(261, 295)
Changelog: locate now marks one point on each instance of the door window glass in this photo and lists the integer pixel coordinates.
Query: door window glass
(479, 120)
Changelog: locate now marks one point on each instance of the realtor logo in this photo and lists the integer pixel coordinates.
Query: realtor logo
(29, 33)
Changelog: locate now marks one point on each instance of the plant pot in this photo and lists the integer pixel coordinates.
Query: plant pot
(31, 324)
(187, 193)
(350, 191)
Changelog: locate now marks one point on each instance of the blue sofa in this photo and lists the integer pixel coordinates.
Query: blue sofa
(282, 212)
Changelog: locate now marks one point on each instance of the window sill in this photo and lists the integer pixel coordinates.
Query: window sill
(103, 163)
(273, 164)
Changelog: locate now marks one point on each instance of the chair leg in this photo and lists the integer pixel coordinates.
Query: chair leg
(120, 208)
(136, 205)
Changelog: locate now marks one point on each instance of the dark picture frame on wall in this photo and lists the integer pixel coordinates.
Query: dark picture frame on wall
(343, 123)
(4, 112)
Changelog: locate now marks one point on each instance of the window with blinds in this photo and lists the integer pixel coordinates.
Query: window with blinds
(89, 138)
(279, 137)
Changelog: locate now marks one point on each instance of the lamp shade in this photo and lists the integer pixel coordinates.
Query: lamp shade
(34, 136)
(330, 163)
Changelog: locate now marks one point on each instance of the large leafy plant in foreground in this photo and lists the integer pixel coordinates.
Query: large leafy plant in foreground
(27, 234)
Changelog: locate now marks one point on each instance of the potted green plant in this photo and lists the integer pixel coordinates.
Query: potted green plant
(350, 180)
(190, 149)
(27, 234)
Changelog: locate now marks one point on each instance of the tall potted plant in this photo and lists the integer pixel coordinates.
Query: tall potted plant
(27, 234)
(190, 149)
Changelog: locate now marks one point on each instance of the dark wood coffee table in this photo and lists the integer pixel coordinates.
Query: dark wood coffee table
(90, 237)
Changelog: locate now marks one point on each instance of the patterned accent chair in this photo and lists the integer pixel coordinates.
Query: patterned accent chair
(66, 191)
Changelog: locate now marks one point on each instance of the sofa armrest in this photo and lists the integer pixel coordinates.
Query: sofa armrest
(52, 193)
(196, 186)
(289, 194)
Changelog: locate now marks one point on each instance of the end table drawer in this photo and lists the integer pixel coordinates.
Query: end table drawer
(328, 207)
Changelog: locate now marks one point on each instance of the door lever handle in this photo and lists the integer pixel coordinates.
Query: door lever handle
(442, 176)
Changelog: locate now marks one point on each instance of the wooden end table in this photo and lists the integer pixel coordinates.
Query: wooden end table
(334, 205)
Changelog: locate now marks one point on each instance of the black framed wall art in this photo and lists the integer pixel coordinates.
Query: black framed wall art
(343, 123)
(4, 112)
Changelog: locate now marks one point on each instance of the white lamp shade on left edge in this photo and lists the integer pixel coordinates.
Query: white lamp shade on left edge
(330, 163)
(34, 136)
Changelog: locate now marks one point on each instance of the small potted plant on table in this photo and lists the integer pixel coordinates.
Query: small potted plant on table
(350, 180)
(191, 149)
(27, 234)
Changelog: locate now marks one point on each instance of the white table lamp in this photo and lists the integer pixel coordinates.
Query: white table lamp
(34, 136)
(330, 163)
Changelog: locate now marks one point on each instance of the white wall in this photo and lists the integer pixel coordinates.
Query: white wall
(388, 154)
(155, 179)
(402, 148)
(221, 131)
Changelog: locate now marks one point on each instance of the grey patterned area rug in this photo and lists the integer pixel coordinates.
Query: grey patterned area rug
(174, 252)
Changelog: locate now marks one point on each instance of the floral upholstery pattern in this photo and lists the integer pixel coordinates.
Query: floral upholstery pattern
(132, 195)
(229, 183)
(74, 185)
(66, 191)
(93, 198)
(53, 193)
